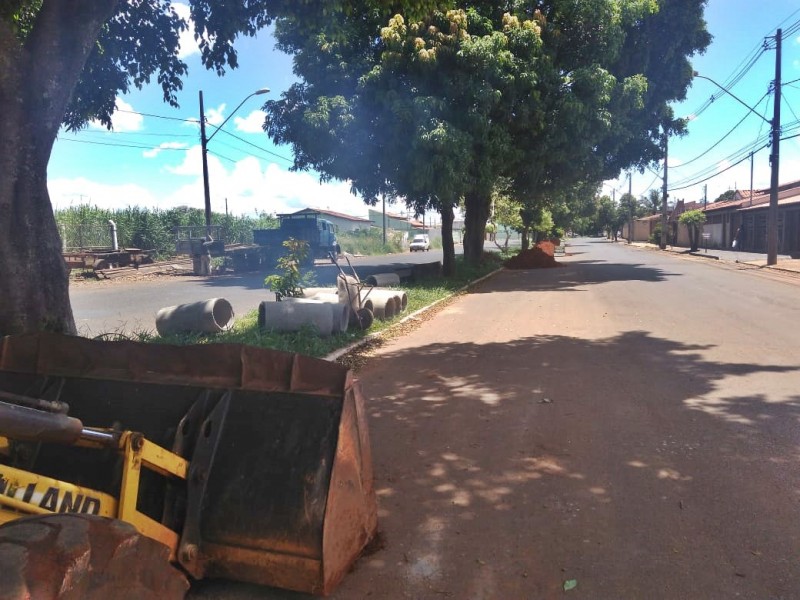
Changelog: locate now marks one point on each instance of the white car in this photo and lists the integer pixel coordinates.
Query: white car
(420, 242)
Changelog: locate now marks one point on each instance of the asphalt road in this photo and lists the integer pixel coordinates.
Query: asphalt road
(121, 306)
(626, 426)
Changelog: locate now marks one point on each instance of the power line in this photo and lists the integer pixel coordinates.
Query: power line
(133, 112)
(118, 145)
(718, 142)
(728, 168)
(236, 137)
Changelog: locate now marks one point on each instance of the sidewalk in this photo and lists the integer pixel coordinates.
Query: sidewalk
(754, 259)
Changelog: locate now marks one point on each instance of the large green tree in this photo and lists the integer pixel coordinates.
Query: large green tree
(421, 113)
(552, 94)
(63, 62)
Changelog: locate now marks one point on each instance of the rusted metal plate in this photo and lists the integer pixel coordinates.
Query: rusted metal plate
(280, 488)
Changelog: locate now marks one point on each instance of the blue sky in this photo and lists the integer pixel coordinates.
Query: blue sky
(739, 30)
(152, 157)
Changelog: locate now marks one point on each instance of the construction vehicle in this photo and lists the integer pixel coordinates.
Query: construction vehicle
(267, 247)
(131, 468)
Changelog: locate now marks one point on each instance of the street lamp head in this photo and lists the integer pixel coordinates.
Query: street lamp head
(265, 90)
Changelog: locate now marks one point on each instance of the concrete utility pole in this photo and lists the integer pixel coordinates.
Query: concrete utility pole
(204, 149)
(663, 241)
(774, 161)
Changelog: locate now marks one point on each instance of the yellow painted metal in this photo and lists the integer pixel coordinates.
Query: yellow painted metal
(137, 453)
(28, 493)
(25, 493)
(163, 461)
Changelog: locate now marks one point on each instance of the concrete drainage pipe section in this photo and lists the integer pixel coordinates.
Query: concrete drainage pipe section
(384, 307)
(208, 316)
(400, 297)
(382, 279)
(311, 292)
(349, 291)
(327, 297)
(292, 314)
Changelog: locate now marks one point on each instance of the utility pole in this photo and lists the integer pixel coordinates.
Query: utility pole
(705, 195)
(203, 145)
(383, 199)
(774, 160)
(630, 206)
(662, 243)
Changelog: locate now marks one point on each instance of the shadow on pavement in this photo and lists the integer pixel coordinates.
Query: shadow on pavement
(573, 275)
(494, 463)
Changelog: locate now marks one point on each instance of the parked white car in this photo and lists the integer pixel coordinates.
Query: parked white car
(420, 242)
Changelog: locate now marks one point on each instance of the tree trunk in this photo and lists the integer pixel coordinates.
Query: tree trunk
(37, 77)
(694, 238)
(476, 213)
(448, 249)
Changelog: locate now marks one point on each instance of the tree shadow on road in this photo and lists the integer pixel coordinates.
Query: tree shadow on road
(509, 452)
(572, 275)
(504, 469)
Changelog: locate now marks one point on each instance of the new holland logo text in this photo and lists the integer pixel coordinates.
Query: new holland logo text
(52, 498)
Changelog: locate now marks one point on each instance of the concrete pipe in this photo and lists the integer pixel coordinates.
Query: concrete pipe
(315, 291)
(384, 307)
(349, 291)
(382, 279)
(400, 297)
(327, 297)
(292, 314)
(208, 316)
(341, 312)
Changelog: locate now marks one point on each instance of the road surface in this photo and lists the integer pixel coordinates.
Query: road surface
(124, 306)
(626, 426)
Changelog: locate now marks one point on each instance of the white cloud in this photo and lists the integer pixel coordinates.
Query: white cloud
(163, 146)
(252, 123)
(187, 46)
(74, 192)
(214, 116)
(124, 121)
(248, 186)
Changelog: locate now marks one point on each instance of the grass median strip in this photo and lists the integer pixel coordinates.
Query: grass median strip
(307, 341)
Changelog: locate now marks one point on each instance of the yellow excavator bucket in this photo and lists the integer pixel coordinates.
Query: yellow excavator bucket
(279, 489)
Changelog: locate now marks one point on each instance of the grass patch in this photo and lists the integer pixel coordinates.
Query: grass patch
(308, 342)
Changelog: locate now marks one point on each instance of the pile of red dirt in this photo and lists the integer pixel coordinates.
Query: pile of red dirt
(548, 247)
(538, 257)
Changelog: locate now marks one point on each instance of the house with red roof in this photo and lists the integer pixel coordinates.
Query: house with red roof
(750, 210)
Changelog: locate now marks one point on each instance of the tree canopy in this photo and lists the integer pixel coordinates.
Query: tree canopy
(550, 94)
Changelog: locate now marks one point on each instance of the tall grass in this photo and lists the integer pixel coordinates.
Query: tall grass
(369, 242)
(149, 229)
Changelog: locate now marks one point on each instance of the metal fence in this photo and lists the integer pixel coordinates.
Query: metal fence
(76, 237)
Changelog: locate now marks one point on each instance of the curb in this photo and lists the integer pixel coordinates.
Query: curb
(336, 354)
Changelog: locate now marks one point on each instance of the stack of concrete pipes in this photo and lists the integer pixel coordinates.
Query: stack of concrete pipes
(333, 310)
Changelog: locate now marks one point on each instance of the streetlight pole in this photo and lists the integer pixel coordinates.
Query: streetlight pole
(774, 158)
(204, 149)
